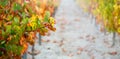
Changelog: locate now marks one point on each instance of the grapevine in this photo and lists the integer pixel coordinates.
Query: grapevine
(107, 14)
(20, 20)
(108, 11)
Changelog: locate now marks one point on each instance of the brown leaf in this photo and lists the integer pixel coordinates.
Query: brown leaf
(43, 40)
(61, 44)
(87, 36)
(54, 41)
(64, 50)
(93, 37)
(92, 57)
(81, 37)
(79, 52)
(77, 19)
(70, 55)
(47, 40)
(48, 34)
(113, 53)
(80, 49)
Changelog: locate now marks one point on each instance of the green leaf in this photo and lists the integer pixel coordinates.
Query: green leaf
(18, 30)
(17, 7)
(2, 42)
(3, 33)
(9, 17)
(28, 28)
(30, 10)
(12, 32)
(47, 15)
(23, 15)
(16, 20)
(14, 39)
(14, 48)
(38, 23)
(1, 10)
(8, 29)
(3, 2)
(25, 20)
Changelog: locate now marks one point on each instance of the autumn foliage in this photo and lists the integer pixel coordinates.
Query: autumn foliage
(107, 14)
(20, 20)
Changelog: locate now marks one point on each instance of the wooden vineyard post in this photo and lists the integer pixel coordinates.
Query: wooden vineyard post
(33, 52)
(24, 56)
(39, 39)
(114, 39)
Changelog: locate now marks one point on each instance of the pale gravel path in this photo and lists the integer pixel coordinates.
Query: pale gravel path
(81, 39)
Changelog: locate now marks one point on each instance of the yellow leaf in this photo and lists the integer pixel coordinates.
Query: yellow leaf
(118, 30)
(119, 21)
(33, 18)
(52, 21)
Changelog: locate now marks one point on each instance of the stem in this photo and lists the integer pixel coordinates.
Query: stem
(39, 39)
(33, 51)
(105, 31)
(24, 56)
(114, 36)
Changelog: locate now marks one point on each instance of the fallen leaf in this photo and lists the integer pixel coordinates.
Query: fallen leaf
(79, 52)
(113, 53)
(54, 41)
(70, 55)
(35, 52)
(81, 37)
(92, 57)
(87, 36)
(43, 40)
(64, 50)
(61, 44)
(93, 37)
(62, 27)
(48, 41)
(77, 19)
(48, 34)
(80, 49)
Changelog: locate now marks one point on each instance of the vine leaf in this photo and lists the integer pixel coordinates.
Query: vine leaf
(16, 7)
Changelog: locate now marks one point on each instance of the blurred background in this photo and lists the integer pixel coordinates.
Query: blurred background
(79, 33)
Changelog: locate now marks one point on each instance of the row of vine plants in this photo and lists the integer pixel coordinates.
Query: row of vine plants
(20, 20)
(107, 14)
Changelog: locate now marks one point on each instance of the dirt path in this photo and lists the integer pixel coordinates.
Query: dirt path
(76, 37)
